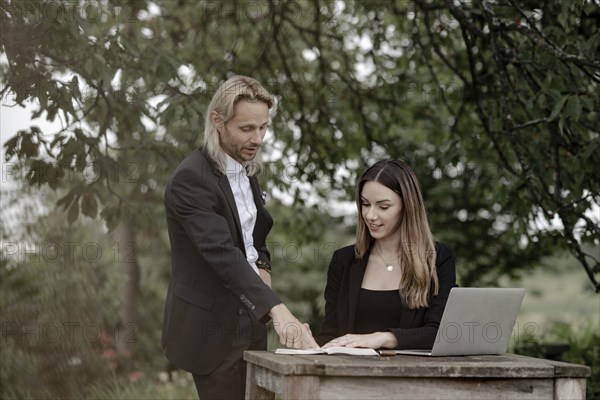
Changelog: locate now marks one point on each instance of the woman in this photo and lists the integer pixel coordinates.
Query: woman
(388, 290)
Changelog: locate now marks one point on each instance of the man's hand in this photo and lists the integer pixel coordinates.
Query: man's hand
(292, 333)
(266, 277)
(377, 340)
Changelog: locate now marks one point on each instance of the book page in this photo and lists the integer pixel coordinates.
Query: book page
(298, 351)
(356, 351)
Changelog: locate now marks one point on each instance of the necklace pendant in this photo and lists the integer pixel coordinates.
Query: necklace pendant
(390, 268)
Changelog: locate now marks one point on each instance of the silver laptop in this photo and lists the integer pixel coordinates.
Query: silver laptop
(476, 321)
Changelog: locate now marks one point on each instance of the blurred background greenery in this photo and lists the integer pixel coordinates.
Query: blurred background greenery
(494, 104)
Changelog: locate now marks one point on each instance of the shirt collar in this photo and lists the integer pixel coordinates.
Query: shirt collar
(234, 168)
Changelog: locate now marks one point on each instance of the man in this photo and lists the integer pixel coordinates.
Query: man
(219, 294)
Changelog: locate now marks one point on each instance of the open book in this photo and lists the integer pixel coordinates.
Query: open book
(353, 351)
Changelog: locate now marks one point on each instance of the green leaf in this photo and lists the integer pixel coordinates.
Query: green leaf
(51, 112)
(70, 150)
(54, 175)
(43, 98)
(557, 108)
(561, 124)
(11, 147)
(164, 72)
(41, 172)
(66, 200)
(27, 147)
(574, 107)
(587, 103)
(65, 101)
(89, 205)
(89, 66)
(75, 88)
(73, 212)
(58, 140)
(100, 59)
(111, 216)
(541, 101)
(590, 149)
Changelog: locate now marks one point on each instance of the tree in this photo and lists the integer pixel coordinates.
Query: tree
(464, 91)
(492, 103)
(71, 59)
(57, 284)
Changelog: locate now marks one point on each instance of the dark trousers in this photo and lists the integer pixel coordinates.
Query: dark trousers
(228, 381)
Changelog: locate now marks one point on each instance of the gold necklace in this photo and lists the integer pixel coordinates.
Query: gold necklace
(388, 266)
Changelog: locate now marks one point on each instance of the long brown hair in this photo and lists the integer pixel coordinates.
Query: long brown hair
(417, 249)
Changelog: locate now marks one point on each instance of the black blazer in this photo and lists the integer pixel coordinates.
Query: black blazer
(416, 328)
(211, 281)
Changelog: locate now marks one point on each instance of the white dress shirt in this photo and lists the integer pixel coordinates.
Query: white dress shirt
(244, 200)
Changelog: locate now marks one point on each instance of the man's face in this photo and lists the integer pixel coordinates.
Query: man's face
(242, 135)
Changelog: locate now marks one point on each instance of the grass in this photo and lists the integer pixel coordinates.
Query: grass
(180, 387)
(554, 296)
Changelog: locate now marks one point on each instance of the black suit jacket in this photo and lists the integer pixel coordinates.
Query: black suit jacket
(416, 328)
(211, 281)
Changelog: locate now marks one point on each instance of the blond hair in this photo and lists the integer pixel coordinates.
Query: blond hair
(417, 249)
(223, 103)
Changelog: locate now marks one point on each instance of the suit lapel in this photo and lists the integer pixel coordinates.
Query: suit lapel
(264, 222)
(357, 272)
(226, 188)
(255, 191)
(260, 210)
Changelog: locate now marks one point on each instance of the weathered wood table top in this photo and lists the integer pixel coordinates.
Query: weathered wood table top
(505, 376)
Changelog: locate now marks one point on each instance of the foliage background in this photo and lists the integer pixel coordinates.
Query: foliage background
(494, 104)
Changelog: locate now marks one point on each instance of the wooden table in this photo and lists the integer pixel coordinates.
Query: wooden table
(506, 376)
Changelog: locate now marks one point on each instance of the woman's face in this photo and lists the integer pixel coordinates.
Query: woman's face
(381, 210)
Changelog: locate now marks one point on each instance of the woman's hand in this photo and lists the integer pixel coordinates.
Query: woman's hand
(377, 340)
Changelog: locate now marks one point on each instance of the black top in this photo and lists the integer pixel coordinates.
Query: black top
(415, 329)
(377, 310)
